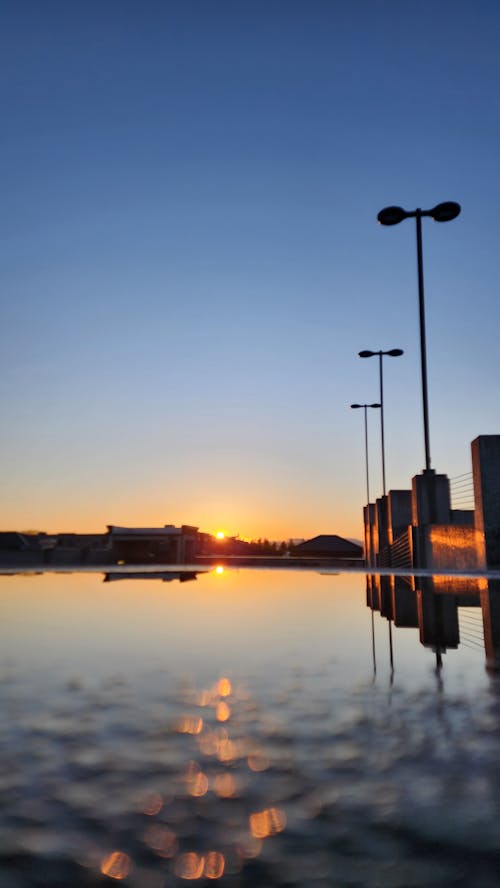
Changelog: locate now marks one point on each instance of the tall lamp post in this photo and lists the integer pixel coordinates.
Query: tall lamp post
(443, 212)
(393, 353)
(365, 408)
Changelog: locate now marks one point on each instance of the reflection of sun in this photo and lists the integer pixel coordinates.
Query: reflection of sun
(220, 535)
(219, 569)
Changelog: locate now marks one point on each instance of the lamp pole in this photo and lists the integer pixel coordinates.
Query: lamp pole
(365, 408)
(393, 353)
(443, 212)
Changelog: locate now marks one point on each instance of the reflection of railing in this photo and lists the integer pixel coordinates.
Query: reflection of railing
(462, 491)
(470, 621)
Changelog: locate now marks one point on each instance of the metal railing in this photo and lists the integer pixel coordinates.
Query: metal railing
(462, 491)
(402, 550)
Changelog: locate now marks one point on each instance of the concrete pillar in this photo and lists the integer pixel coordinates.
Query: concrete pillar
(430, 498)
(486, 474)
(369, 534)
(399, 514)
(381, 529)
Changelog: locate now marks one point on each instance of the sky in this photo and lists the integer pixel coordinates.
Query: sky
(190, 258)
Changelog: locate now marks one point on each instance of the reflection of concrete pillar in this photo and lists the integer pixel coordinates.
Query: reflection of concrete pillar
(486, 472)
(437, 619)
(385, 597)
(369, 592)
(404, 602)
(490, 606)
(375, 591)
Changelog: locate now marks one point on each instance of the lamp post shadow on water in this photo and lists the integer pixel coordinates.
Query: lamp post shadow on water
(443, 212)
(365, 407)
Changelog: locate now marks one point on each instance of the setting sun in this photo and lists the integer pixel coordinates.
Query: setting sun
(220, 535)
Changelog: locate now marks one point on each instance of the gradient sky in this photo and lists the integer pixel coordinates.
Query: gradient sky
(190, 257)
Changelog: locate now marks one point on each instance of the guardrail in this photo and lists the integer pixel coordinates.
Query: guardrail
(462, 491)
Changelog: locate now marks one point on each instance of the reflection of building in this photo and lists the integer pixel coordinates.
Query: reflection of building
(161, 545)
(183, 576)
(447, 611)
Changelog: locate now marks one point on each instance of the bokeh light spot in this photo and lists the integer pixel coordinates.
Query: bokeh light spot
(189, 725)
(224, 687)
(225, 786)
(116, 865)
(222, 712)
(189, 866)
(214, 865)
(160, 839)
(257, 761)
(152, 804)
(267, 823)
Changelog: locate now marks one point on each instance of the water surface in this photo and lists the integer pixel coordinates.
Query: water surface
(248, 727)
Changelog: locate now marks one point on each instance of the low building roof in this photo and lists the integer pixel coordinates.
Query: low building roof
(167, 530)
(329, 544)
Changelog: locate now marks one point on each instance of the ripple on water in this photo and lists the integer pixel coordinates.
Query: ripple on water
(215, 784)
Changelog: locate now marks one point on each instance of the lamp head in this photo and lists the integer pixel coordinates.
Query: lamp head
(445, 212)
(366, 354)
(358, 406)
(395, 352)
(391, 215)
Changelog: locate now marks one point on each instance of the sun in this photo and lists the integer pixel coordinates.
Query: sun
(220, 535)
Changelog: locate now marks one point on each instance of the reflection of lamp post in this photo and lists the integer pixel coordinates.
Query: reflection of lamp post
(365, 408)
(443, 212)
(393, 353)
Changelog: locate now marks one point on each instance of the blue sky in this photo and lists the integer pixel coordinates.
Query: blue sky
(190, 258)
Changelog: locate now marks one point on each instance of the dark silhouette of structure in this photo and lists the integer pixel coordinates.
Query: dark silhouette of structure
(327, 546)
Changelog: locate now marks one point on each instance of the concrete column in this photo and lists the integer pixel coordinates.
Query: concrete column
(399, 514)
(430, 498)
(381, 526)
(369, 534)
(486, 474)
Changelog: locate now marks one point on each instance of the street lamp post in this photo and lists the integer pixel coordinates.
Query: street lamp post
(365, 408)
(393, 353)
(443, 212)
